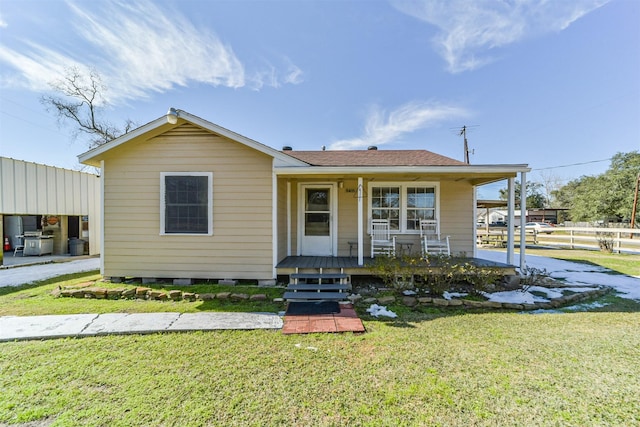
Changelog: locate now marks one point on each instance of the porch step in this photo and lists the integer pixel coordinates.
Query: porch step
(319, 277)
(319, 288)
(315, 296)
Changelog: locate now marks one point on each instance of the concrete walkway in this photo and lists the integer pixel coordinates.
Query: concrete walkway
(83, 325)
(22, 270)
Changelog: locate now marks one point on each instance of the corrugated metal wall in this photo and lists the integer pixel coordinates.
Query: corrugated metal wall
(32, 189)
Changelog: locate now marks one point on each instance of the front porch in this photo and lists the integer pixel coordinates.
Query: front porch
(349, 265)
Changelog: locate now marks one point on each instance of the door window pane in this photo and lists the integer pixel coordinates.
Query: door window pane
(316, 224)
(317, 200)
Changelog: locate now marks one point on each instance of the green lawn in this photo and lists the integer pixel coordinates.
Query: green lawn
(428, 367)
(36, 299)
(461, 370)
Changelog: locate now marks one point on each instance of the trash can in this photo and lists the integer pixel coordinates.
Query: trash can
(76, 247)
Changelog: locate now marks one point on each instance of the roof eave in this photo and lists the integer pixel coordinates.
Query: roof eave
(353, 170)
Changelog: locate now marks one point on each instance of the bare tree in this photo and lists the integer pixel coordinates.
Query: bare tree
(79, 98)
(550, 184)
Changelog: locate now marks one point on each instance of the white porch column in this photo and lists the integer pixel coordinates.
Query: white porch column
(360, 223)
(274, 222)
(475, 221)
(288, 218)
(510, 218)
(523, 220)
(102, 216)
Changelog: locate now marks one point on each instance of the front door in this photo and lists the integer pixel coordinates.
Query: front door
(317, 227)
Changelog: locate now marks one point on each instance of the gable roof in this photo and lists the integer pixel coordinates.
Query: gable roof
(162, 125)
(374, 158)
(291, 163)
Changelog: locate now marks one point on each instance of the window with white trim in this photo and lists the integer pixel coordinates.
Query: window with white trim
(403, 204)
(186, 203)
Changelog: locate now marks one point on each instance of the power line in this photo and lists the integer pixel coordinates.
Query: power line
(573, 164)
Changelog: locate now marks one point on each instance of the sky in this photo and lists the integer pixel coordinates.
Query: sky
(551, 84)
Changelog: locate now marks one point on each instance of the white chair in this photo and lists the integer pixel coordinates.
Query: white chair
(430, 238)
(382, 243)
(19, 246)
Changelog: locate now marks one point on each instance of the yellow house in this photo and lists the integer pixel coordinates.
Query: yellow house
(184, 198)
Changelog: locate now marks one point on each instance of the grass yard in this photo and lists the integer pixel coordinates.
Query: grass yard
(474, 369)
(429, 367)
(36, 299)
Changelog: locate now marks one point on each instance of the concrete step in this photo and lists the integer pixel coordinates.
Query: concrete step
(317, 288)
(319, 276)
(316, 296)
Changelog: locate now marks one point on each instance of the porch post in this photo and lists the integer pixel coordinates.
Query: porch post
(288, 218)
(102, 218)
(475, 220)
(510, 219)
(274, 221)
(360, 224)
(523, 220)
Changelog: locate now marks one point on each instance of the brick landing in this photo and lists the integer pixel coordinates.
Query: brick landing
(345, 321)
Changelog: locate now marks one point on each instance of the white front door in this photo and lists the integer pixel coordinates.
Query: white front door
(317, 228)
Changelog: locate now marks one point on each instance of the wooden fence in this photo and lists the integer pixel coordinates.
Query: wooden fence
(621, 240)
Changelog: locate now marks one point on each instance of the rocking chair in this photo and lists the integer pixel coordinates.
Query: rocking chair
(382, 243)
(430, 239)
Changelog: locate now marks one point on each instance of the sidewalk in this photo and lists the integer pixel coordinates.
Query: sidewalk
(30, 269)
(85, 325)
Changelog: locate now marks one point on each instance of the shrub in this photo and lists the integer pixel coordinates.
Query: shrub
(532, 276)
(437, 273)
(605, 241)
(397, 272)
(483, 279)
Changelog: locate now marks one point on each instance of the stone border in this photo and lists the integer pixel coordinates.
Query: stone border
(412, 301)
(139, 292)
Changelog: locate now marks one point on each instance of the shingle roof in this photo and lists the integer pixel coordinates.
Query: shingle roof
(374, 158)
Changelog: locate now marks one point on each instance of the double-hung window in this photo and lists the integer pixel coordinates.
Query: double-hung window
(403, 204)
(186, 203)
(385, 204)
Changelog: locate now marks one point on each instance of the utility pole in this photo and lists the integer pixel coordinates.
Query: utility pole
(463, 133)
(635, 207)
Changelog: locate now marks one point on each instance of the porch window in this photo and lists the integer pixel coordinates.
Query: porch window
(403, 204)
(186, 203)
(421, 204)
(385, 204)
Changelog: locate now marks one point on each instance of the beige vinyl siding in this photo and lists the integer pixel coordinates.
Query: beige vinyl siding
(282, 219)
(348, 217)
(456, 212)
(241, 244)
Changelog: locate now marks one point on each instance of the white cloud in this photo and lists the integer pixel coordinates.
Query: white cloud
(269, 75)
(382, 128)
(140, 48)
(471, 28)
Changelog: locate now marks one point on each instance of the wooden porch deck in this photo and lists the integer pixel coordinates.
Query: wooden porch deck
(321, 262)
(351, 263)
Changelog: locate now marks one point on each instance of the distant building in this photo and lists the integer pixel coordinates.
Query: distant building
(58, 204)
